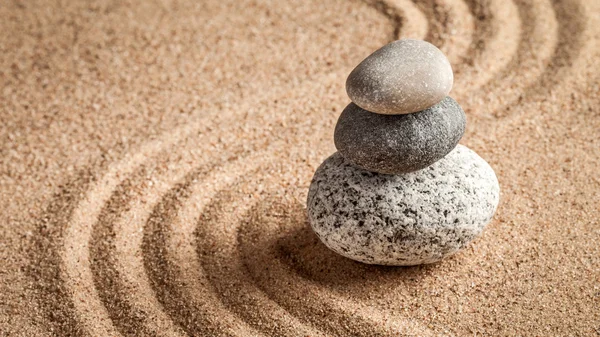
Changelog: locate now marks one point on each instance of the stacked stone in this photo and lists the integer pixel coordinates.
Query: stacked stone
(400, 191)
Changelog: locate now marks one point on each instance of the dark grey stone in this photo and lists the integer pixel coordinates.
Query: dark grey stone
(402, 220)
(395, 144)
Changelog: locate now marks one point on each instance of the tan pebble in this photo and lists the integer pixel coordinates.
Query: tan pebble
(402, 77)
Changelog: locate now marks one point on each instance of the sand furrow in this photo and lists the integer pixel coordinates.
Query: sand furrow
(169, 250)
(176, 276)
(413, 23)
(97, 307)
(406, 19)
(496, 36)
(45, 268)
(451, 27)
(539, 40)
(116, 250)
(571, 18)
(116, 246)
(180, 250)
(78, 277)
(117, 277)
(458, 37)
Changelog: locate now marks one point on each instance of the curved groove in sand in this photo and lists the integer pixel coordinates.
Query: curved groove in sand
(458, 37)
(76, 268)
(46, 268)
(120, 281)
(117, 249)
(451, 26)
(413, 23)
(495, 41)
(407, 20)
(176, 277)
(76, 265)
(175, 240)
(562, 63)
(535, 52)
(77, 273)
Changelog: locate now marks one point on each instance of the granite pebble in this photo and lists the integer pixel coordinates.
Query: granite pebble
(404, 76)
(393, 144)
(402, 220)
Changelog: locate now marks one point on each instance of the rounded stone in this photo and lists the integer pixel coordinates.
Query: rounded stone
(394, 144)
(402, 220)
(404, 76)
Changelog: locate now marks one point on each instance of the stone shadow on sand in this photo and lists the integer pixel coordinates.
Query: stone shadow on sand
(304, 253)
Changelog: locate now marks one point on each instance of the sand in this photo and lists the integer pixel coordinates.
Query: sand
(156, 155)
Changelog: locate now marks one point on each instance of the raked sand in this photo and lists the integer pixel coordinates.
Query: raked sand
(155, 158)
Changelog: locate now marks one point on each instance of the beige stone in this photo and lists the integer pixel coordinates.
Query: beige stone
(401, 77)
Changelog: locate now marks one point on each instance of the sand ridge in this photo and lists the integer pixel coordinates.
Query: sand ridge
(163, 152)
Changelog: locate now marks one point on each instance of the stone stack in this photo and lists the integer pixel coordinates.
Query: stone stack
(400, 191)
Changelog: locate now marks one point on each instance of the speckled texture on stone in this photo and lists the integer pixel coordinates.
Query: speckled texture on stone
(401, 77)
(402, 220)
(399, 143)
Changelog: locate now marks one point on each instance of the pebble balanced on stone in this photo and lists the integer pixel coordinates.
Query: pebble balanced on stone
(400, 191)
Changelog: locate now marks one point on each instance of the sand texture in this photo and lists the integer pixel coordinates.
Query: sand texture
(155, 158)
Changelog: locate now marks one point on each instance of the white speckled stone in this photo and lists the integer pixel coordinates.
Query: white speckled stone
(404, 76)
(402, 220)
